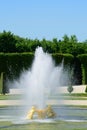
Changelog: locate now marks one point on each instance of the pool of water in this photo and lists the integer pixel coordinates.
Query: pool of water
(18, 115)
(71, 113)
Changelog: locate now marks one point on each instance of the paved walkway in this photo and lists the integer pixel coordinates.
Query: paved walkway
(76, 89)
(51, 102)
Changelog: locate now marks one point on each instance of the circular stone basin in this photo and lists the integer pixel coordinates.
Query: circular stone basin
(17, 115)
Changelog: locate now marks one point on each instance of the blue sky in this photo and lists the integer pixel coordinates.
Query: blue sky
(44, 18)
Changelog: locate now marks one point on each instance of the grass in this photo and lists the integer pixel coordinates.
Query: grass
(70, 96)
(10, 97)
(67, 96)
(59, 125)
(75, 94)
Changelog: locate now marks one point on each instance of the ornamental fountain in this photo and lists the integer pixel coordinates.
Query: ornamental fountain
(38, 83)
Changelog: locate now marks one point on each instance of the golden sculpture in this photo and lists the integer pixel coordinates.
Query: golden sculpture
(41, 113)
(50, 113)
(31, 113)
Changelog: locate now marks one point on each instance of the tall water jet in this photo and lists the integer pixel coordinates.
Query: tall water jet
(42, 79)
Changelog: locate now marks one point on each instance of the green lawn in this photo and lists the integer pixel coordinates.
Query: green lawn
(10, 97)
(76, 94)
(59, 125)
(72, 96)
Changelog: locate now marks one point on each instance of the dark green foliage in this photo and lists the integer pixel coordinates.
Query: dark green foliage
(12, 43)
(86, 89)
(3, 87)
(67, 58)
(1, 83)
(2, 62)
(7, 42)
(83, 60)
(13, 63)
(77, 71)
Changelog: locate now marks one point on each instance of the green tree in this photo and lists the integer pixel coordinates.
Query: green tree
(43, 44)
(34, 44)
(23, 45)
(55, 45)
(65, 38)
(7, 42)
(73, 39)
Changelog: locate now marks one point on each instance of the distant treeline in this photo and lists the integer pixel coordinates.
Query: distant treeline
(10, 43)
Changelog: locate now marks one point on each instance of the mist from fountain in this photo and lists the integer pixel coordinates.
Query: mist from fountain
(41, 80)
(43, 76)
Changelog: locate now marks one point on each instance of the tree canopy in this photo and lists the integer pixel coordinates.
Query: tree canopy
(12, 43)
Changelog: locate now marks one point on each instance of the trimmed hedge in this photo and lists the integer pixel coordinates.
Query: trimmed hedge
(1, 82)
(14, 63)
(68, 58)
(83, 60)
(2, 62)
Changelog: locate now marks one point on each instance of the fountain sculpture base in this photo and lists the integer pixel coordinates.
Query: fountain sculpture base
(41, 113)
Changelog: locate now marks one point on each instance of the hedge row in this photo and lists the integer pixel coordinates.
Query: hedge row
(14, 63)
(67, 58)
(83, 60)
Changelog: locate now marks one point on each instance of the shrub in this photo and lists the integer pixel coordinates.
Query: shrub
(70, 88)
(86, 89)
